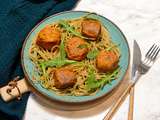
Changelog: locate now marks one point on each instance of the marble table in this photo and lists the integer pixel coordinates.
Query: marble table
(140, 20)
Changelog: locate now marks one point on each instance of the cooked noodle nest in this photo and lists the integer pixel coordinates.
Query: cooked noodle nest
(38, 54)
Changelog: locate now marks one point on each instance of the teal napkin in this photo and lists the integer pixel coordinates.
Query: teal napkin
(17, 18)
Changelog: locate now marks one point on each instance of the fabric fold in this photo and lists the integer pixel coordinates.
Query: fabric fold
(17, 18)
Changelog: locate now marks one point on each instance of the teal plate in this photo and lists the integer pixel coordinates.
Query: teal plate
(116, 35)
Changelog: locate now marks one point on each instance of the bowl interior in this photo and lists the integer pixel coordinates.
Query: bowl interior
(116, 35)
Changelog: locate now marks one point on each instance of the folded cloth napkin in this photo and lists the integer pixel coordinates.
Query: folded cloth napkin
(17, 18)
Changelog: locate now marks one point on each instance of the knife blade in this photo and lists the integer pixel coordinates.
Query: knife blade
(136, 60)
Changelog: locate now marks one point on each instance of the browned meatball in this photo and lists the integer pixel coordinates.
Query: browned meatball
(107, 61)
(76, 49)
(64, 78)
(91, 29)
(48, 37)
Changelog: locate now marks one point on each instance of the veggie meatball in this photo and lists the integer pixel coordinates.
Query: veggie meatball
(76, 49)
(48, 37)
(107, 61)
(64, 78)
(91, 29)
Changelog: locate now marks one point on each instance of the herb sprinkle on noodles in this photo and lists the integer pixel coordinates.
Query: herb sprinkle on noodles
(90, 78)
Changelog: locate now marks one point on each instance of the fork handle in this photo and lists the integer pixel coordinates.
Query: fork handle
(118, 103)
(131, 104)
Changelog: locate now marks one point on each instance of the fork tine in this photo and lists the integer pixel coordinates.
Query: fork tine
(149, 50)
(156, 54)
(152, 51)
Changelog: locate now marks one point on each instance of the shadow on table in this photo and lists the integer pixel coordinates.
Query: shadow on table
(85, 109)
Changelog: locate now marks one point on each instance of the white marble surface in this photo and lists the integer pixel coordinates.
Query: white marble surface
(140, 20)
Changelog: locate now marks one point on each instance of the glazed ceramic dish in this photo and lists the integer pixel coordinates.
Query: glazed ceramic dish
(117, 37)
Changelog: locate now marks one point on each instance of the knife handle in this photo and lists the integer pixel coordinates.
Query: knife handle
(118, 103)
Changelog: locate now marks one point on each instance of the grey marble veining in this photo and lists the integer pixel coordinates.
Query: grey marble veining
(140, 20)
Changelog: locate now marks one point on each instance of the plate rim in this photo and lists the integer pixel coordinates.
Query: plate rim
(59, 100)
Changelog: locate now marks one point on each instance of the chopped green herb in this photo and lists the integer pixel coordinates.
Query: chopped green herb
(92, 84)
(92, 54)
(56, 62)
(71, 29)
(62, 48)
(91, 79)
